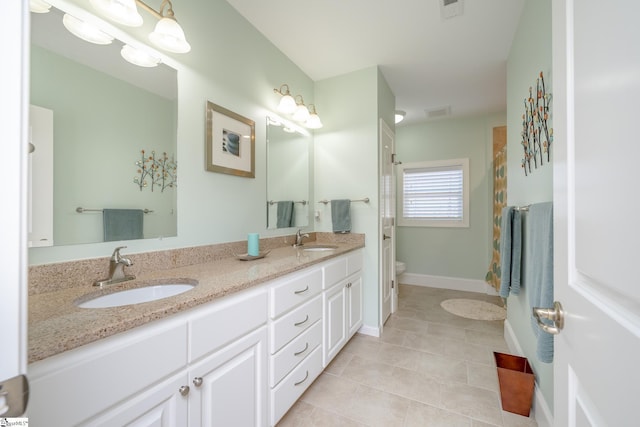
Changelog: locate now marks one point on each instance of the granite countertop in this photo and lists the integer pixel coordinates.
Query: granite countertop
(56, 324)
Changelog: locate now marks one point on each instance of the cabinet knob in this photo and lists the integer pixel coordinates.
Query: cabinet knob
(197, 381)
(184, 390)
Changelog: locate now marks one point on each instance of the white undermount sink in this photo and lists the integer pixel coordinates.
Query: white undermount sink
(137, 295)
(319, 248)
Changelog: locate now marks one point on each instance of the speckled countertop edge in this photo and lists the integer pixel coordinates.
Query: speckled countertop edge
(56, 324)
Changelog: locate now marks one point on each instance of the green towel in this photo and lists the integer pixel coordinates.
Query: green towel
(341, 215)
(122, 224)
(284, 214)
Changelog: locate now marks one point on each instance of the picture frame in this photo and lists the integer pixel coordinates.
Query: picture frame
(230, 142)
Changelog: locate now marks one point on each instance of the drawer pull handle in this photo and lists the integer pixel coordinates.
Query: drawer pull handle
(302, 291)
(306, 346)
(303, 380)
(303, 322)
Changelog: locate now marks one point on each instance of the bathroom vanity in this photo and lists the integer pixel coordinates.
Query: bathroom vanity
(241, 358)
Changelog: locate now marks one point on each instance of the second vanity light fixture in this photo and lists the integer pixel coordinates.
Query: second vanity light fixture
(295, 107)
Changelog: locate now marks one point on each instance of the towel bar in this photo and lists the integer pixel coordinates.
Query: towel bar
(83, 210)
(365, 200)
(273, 202)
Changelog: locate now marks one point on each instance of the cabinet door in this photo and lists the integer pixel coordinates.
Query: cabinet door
(161, 406)
(229, 388)
(354, 306)
(335, 327)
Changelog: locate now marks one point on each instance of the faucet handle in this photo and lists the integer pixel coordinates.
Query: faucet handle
(116, 253)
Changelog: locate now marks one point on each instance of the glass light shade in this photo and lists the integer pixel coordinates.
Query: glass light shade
(399, 116)
(313, 122)
(124, 12)
(301, 113)
(139, 57)
(39, 6)
(168, 35)
(85, 31)
(287, 104)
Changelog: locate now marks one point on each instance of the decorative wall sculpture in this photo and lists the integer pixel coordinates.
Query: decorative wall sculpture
(161, 171)
(537, 136)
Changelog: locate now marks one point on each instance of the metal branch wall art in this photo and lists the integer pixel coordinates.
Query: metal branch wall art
(162, 172)
(537, 136)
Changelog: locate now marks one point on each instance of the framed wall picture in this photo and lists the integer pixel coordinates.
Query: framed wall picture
(230, 145)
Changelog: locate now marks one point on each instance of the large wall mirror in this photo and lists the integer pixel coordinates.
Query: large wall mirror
(288, 172)
(105, 111)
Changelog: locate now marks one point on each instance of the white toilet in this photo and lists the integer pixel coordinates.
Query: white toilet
(400, 268)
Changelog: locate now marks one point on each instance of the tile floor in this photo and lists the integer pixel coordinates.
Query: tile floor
(430, 368)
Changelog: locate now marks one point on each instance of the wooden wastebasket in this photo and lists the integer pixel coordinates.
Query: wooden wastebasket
(517, 383)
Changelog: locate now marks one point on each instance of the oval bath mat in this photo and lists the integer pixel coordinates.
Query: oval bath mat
(472, 309)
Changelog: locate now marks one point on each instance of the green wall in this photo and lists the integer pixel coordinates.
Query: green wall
(451, 252)
(530, 53)
(346, 162)
(231, 64)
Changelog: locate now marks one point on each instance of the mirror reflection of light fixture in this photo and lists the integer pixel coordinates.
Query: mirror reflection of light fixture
(138, 56)
(123, 12)
(39, 6)
(167, 35)
(313, 122)
(400, 116)
(85, 31)
(287, 104)
(301, 113)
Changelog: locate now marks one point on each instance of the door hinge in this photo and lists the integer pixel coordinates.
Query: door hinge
(394, 159)
(14, 395)
(393, 284)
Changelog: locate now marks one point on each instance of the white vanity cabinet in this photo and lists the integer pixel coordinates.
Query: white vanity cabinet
(242, 360)
(295, 335)
(342, 302)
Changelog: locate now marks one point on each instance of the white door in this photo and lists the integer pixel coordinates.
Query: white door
(596, 87)
(13, 249)
(388, 294)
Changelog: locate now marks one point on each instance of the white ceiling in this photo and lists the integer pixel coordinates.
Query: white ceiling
(429, 62)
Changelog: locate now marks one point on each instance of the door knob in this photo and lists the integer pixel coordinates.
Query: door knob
(197, 381)
(184, 390)
(555, 314)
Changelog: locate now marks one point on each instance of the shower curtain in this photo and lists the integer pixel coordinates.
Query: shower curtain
(499, 201)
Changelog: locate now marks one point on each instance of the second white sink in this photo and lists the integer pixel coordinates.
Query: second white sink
(137, 295)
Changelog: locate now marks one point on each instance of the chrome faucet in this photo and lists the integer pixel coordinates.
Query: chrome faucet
(299, 237)
(117, 263)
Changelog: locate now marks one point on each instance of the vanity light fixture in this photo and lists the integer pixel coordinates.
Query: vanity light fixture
(287, 103)
(39, 6)
(167, 35)
(85, 31)
(313, 122)
(400, 116)
(301, 113)
(139, 57)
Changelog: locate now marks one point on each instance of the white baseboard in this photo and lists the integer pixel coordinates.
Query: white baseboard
(369, 330)
(443, 282)
(540, 409)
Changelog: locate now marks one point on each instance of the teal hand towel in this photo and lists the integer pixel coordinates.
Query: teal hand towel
(341, 215)
(539, 272)
(284, 214)
(122, 224)
(510, 251)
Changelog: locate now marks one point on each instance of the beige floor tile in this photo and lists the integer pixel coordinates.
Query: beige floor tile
(395, 355)
(483, 376)
(392, 335)
(377, 408)
(449, 331)
(515, 420)
(368, 372)
(303, 414)
(429, 343)
(443, 368)
(420, 415)
(331, 393)
(339, 363)
(406, 324)
(363, 346)
(414, 385)
(484, 338)
(472, 352)
(480, 404)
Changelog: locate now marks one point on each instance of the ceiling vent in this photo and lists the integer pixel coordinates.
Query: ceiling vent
(438, 113)
(451, 8)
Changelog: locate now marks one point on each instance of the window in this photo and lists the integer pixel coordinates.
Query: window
(434, 194)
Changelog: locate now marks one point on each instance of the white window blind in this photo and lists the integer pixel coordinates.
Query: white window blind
(435, 193)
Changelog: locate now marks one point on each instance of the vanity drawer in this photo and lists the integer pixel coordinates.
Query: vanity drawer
(225, 321)
(292, 324)
(295, 291)
(294, 384)
(294, 353)
(354, 262)
(334, 272)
